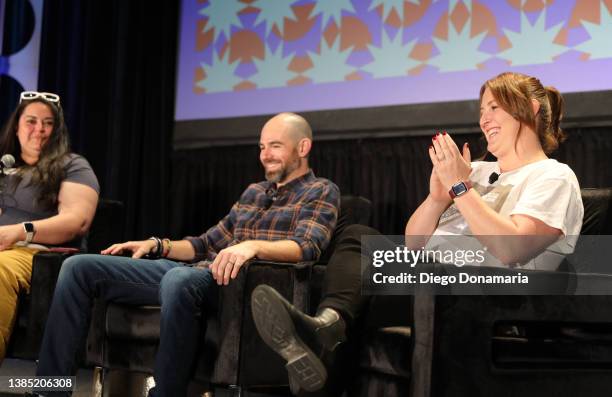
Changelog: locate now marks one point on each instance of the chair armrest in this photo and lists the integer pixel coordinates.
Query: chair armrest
(296, 265)
(300, 273)
(45, 270)
(232, 333)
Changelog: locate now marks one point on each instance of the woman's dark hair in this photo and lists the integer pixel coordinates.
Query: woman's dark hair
(48, 172)
(514, 92)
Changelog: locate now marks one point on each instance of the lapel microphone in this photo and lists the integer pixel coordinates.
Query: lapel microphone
(6, 162)
(493, 178)
(272, 195)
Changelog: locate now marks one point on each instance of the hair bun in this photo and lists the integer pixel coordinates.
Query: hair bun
(556, 102)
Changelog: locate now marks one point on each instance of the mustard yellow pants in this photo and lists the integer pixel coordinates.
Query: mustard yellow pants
(15, 275)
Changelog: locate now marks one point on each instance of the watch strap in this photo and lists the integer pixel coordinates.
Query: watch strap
(28, 227)
(466, 184)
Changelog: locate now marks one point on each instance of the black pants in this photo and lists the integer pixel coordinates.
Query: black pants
(341, 291)
(342, 283)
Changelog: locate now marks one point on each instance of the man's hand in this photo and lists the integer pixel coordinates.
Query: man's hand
(10, 234)
(138, 248)
(228, 262)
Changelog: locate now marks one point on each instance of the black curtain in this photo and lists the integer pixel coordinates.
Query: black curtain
(393, 173)
(113, 64)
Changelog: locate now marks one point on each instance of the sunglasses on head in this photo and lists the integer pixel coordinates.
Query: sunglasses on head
(29, 95)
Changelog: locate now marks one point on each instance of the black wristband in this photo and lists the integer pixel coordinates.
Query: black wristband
(158, 247)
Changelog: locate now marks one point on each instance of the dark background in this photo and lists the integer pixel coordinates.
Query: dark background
(113, 64)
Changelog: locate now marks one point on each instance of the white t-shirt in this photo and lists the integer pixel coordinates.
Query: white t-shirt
(546, 190)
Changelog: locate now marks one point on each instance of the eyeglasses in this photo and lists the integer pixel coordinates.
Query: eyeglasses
(29, 95)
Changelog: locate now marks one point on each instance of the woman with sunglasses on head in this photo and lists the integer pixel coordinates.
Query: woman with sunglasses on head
(49, 198)
(528, 199)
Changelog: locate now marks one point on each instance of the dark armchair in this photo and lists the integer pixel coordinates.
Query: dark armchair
(527, 345)
(34, 307)
(124, 338)
(496, 345)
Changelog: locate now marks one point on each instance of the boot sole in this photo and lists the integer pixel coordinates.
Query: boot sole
(275, 327)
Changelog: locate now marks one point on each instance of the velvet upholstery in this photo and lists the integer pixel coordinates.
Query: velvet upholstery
(529, 345)
(291, 282)
(392, 363)
(597, 211)
(33, 307)
(386, 336)
(522, 345)
(124, 337)
(382, 348)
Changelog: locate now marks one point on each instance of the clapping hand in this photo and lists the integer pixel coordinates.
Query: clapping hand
(449, 165)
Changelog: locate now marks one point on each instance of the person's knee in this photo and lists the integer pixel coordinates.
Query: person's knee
(73, 268)
(8, 279)
(176, 278)
(15, 273)
(9, 291)
(73, 264)
(184, 284)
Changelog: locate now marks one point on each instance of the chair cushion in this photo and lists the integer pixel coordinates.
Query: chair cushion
(376, 384)
(597, 213)
(471, 360)
(386, 336)
(132, 322)
(387, 350)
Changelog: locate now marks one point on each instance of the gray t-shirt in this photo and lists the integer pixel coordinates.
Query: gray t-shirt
(19, 204)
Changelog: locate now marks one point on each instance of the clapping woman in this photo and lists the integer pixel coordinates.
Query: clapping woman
(534, 206)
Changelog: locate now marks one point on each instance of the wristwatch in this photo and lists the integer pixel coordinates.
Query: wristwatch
(29, 230)
(458, 189)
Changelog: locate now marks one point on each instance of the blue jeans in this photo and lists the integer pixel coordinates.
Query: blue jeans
(184, 293)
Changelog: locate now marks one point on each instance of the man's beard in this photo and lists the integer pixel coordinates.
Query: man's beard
(280, 175)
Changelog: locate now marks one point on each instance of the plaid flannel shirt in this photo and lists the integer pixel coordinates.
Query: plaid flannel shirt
(304, 210)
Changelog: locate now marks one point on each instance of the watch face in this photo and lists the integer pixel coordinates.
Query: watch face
(459, 188)
(29, 227)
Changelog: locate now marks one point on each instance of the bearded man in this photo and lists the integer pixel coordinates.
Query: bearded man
(289, 217)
